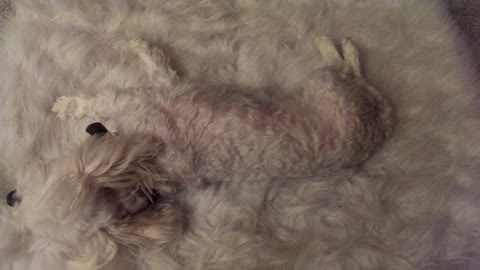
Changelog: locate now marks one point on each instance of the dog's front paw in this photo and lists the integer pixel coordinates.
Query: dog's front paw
(60, 107)
(71, 107)
(139, 45)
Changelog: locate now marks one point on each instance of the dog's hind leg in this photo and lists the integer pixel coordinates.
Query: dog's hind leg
(358, 116)
(352, 68)
(328, 51)
(351, 58)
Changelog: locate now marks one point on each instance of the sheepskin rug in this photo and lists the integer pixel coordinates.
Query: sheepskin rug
(412, 205)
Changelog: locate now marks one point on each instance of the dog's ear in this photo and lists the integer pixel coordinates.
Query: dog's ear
(96, 129)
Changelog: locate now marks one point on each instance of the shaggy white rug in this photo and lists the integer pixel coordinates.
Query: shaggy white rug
(412, 205)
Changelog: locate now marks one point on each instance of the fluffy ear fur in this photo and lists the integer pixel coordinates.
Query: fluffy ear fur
(127, 181)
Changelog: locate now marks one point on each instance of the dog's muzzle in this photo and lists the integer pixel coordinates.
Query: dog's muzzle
(12, 198)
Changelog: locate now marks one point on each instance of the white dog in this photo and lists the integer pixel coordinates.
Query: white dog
(333, 121)
(115, 193)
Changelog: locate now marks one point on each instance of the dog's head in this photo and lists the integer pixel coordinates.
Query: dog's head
(103, 200)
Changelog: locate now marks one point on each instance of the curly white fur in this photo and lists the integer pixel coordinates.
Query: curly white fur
(334, 120)
(245, 71)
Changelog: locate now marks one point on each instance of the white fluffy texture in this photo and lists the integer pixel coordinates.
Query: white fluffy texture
(413, 205)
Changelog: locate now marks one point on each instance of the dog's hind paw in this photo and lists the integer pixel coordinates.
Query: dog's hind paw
(326, 47)
(352, 58)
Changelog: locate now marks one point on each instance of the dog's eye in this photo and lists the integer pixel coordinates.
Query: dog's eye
(12, 198)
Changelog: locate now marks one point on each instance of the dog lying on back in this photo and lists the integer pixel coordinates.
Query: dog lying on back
(116, 190)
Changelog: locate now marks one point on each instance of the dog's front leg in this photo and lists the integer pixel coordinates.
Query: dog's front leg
(161, 77)
(80, 106)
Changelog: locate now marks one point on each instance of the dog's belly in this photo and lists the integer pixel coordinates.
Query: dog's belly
(235, 133)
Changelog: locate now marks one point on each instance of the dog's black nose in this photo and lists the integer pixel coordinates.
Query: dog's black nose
(96, 129)
(12, 198)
